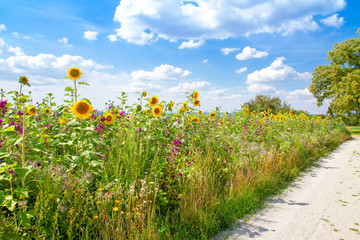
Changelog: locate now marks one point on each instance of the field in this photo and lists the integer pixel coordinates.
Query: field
(354, 130)
(149, 170)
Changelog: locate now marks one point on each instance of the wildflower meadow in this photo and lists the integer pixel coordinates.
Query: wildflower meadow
(145, 170)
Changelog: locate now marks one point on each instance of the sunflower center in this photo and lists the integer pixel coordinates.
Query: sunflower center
(32, 110)
(74, 73)
(108, 118)
(157, 110)
(82, 108)
(153, 100)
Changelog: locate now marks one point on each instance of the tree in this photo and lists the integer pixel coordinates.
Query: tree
(263, 103)
(340, 82)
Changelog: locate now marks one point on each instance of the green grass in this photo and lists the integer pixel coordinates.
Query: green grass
(354, 130)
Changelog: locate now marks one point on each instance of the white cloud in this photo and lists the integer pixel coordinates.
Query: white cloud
(48, 65)
(226, 51)
(190, 86)
(301, 94)
(205, 60)
(191, 44)
(65, 41)
(7, 50)
(276, 72)
(241, 70)
(260, 88)
(333, 21)
(2, 28)
(145, 21)
(249, 53)
(90, 35)
(112, 37)
(162, 72)
(302, 99)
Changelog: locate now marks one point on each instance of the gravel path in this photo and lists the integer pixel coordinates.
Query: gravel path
(323, 204)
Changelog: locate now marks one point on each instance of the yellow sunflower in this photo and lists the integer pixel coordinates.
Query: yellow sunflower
(82, 109)
(23, 80)
(196, 102)
(63, 121)
(195, 94)
(109, 118)
(172, 104)
(31, 110)
(153, 101)
(196, 119)
(47, 110)
(185, 106)
(269, 110)
(252, 114)
(212, 114)
(291, 112)
(200, 112)
(74, 73)
(156, 111)
(144, 94)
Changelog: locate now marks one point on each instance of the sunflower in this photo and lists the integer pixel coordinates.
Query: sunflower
(185, 106)
(266, 114)
(291, 112)
(269, 110)
(153, 101)
(252, 114)
(144, 94)
(23, 80)
(74, 73)
(196, 119)
(63, 121)
(31, 110)
(212, 114)
(172, 104)
(196, 102)
(195, 94)
(146, 111)
(200, 112)
(82, 109)
(156, 111)
(47, 110)
(109, 118)
(246, 111)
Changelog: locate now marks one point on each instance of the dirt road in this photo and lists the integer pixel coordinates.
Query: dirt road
(323, 204)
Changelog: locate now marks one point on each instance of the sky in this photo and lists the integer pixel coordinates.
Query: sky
(228, 50)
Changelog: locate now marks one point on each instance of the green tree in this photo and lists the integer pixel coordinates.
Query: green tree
(263, 103)
(340, 82)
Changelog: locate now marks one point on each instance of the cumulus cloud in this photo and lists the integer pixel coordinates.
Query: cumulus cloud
(190, 86)
(2, 28)
(241, 70)
(226, 51)
(112, 37)
(65, 41)
(162, 72)
(276, 72)
(90, 35)
(8, 50)
(249, 53)
(145, 21)
(51, 66)
(260, 88)
(333, 21)
(191, 44)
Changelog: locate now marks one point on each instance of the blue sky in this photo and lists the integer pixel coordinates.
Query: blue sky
(228, 50)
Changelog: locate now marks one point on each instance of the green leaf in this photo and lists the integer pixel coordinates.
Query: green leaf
(23, 172)
(9, 202)
(83, 83)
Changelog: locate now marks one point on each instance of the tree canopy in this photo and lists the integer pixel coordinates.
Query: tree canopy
(340, 82)
(263, 103)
